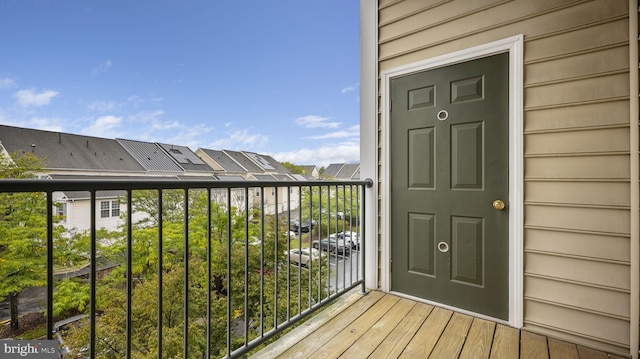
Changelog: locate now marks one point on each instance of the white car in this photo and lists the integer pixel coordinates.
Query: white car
(352, 239)
(304, 256)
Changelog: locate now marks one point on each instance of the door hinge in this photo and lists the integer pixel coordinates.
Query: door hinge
(390, 105)
(390, 265)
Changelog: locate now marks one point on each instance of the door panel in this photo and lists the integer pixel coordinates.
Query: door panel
(449, 162)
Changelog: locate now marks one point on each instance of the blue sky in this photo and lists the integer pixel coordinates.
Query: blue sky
(278, 77)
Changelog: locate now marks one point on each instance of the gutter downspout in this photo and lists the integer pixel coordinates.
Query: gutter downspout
(634, 178)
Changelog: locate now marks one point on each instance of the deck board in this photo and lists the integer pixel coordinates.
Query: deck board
(451, 342)
(379, 325)
(588, 353)
(479, 340)
(363, 347)
(326, 332)
(534, 344)
(352, 332)
(506, 343)
(427, 336)
(559, 349)
(393, 345)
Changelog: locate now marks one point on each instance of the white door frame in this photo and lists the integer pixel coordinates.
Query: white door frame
(514, 46)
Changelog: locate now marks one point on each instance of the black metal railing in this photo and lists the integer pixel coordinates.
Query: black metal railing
(235, 261)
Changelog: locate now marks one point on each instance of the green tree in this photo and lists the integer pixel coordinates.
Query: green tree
(295, 169)
(22, 233)
(265, 270)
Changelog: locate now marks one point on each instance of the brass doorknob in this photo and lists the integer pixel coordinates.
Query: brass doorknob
(498, 205)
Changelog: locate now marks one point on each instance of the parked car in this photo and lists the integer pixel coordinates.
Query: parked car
(351, 238)
(331, 245)
(303, 227)
(304, 255)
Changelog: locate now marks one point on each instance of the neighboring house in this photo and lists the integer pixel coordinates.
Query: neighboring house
(74, 156)
(65, 153)
(255, 167)
(164, 159)
(221, 162)
(502, 140)
(342, 171)
(310, 172)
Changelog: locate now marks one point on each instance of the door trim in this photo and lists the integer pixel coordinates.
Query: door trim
(514, 46)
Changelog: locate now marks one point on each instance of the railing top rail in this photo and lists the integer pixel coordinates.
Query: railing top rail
(53, 185)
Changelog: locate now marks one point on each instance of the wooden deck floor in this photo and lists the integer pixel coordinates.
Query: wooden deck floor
(379, 325)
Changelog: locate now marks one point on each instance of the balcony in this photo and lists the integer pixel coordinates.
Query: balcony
(201, 269)
(195, 268)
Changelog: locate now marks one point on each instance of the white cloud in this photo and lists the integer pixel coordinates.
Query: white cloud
(241, 140)
(352, 132)
(27, 98)
(103, 106)
(6, 83)
(350, 88)
(47, 124)
(312, 121)
(322, 156)
(104, 126)
(103, 67)
(139, 100)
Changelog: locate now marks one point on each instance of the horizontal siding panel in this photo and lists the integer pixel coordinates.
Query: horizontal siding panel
(583, 65)
(592, 299)
(403, 9)
(599, 220)
(589, 115)
(593, 37)
(567, 18)
(578, 193)
(613, 248)
(606, 275)
(591, 89)
(588, 141)
(613, 331)
(428, 20)
(595, 167)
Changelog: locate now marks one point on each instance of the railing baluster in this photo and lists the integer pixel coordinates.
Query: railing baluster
(185, 299)
(246, 266)
(229, 288)
(129, 271)
(49, 265)
(92, 275)
(209, 237)
(160, 264)
(262, 238)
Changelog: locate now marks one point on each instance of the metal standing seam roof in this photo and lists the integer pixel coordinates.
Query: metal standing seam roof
(224, 161)
(244, 161)
(186, 158)
(151, 156)
(68, 151)
(332, 170)
(266, 162)
(347, 171)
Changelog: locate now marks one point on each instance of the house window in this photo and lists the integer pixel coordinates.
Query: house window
(115, 208)
(104, 209)
(109, 209)
(61, 209)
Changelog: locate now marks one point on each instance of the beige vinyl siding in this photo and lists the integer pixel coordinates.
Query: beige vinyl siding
(576, 146)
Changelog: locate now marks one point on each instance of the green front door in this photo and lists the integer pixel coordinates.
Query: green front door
(449, 164)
